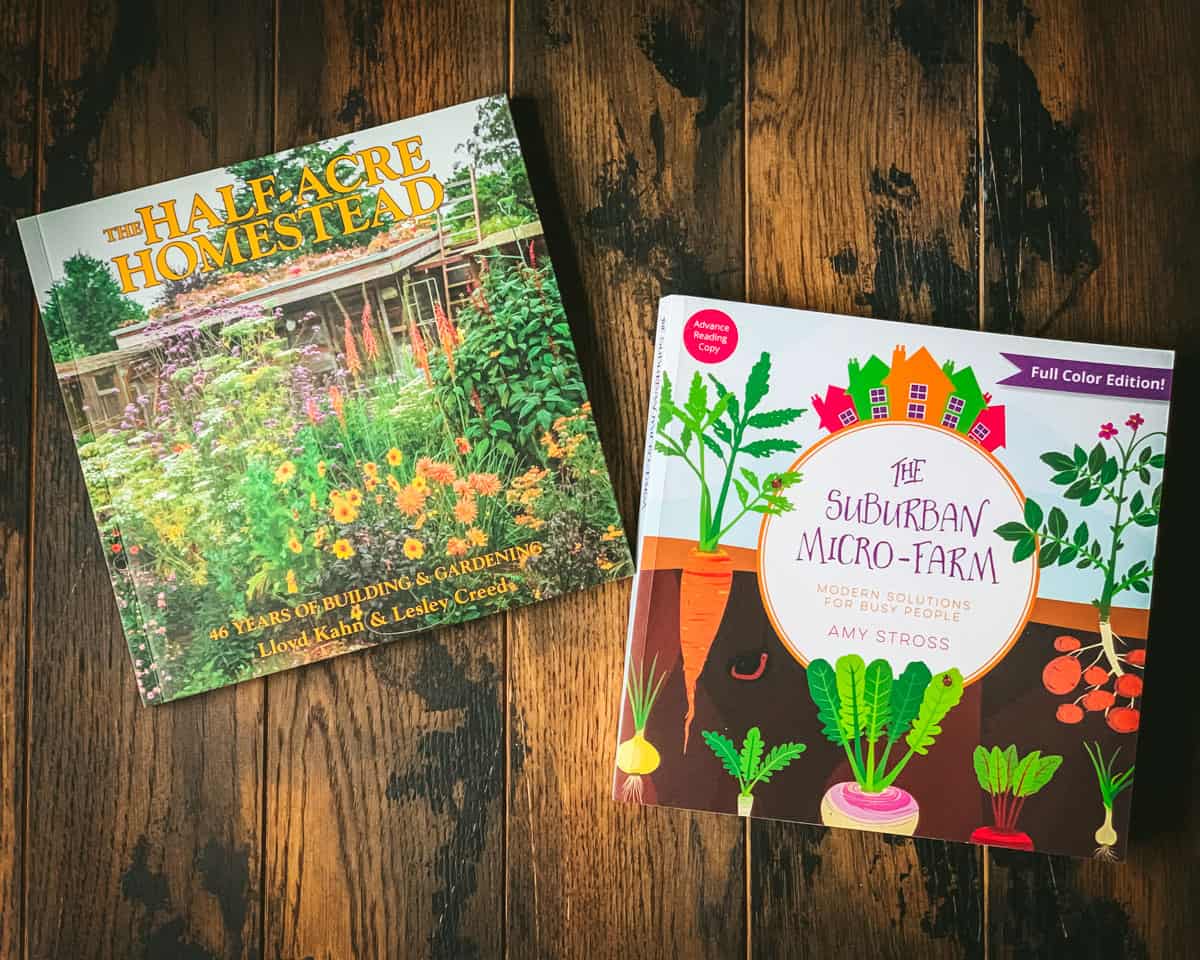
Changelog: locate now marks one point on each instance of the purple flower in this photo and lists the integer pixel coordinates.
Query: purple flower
(1107, 431)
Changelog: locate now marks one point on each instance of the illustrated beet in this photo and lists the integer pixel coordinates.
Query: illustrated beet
(1094, 676)
(1061, 675)
(1066, 643)
(1009, 839)
(1128, 685)
(1069, 713)
(1124, 719)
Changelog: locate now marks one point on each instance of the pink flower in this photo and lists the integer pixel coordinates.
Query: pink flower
(1107, 431)
(1135, 420)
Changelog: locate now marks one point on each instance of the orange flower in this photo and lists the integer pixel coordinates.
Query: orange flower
(604, 563)
(612, 533)
(465, 510)
(292, 587)
(436, 471)
(477, 537)
(484, 484)
(371, 484)
(335, 400)
(461, 486)
(456, 547)
(321, 468)
(354, 497)
(414, 549)
(344, 512)
(447, 335)
(394, 457)
(294, 544)
(410, 501)
(285, 471)
(342, 549)
(371, 470)
(462, 444)
(420, 483)
(393, 484)
(311, 410)
(320, 536)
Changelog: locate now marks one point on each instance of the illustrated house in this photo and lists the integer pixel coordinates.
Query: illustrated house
(988, 428)
(836, 410)
(966, 400)
(917, 386)
(867, 390)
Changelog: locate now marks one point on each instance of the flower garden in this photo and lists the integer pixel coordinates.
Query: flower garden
(242, 482)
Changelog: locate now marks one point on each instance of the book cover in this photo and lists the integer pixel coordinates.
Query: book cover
(325, 399)
(893, 577)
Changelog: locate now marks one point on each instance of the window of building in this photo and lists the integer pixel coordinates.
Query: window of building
(950, 420)
(956, 404)
(980, 432)
(879, 411)
(916, 411)
(918, 391)
(847, 417)
(879, 395)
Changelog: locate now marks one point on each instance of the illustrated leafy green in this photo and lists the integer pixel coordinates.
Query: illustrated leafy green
(943, 693)
(748, 766)
(1009, 778)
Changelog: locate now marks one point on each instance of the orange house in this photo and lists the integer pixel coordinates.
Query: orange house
(917, 387)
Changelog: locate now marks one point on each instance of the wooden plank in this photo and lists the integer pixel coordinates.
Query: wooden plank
(18, 129)
(1093, 196)
(385, 768)
(145, 822)
(861, 119)
(637, 107)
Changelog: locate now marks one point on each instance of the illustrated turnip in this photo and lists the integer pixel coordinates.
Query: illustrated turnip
(1009, 780)
(1122, 482)
(867, 711)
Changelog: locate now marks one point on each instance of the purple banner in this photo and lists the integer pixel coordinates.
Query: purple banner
(1087, 376)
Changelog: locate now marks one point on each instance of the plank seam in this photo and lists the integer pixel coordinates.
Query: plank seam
(506, 692)
(983, 853)
(746, 868)
(27, 691)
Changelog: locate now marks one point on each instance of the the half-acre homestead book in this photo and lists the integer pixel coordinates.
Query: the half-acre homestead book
(325, 399)
(893, 577)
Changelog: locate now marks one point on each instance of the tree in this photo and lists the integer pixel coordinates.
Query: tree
(501, 178)
(84, 308)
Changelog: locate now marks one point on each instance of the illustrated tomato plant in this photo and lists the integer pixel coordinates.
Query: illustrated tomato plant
(1009, 779)
(711, 437)
(748, 766)
(1123, 483)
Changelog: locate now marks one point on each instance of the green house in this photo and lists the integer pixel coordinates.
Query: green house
(867, 390)
(966, 401)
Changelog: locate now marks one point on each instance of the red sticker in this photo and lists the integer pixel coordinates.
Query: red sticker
(710, 336)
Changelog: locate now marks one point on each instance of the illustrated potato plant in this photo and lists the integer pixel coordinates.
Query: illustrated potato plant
(713, 430)
(748, 766)
(1124, 482)
(1009, 779)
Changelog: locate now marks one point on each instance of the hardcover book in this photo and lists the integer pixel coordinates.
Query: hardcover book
(893, 577)
(325, 399)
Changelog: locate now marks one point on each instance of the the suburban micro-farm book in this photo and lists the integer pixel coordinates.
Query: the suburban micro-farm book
(325, 399)
(893, 577)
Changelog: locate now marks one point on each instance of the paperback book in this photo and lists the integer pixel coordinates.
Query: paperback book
(893, 577)
(325, 399)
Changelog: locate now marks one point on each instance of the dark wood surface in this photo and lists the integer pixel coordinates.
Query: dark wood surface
(1027, 167)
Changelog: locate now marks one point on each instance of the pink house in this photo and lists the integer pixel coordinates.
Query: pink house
(836, 410)
(988, 428)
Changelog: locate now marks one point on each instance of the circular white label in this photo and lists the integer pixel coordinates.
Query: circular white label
(891, 552)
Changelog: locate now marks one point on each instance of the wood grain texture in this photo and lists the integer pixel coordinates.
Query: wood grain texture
(144, 823)
(1093, 176)
(862, 200)
(385, 769)
(633, 114)
(18, 131)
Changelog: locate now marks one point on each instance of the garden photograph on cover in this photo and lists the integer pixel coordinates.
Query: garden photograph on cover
(373, 426)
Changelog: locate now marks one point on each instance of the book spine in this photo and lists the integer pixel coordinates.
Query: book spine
(131, 612)
(666, 354)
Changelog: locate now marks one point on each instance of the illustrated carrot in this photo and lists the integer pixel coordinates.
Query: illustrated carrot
(703, 594)
(709, 441)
